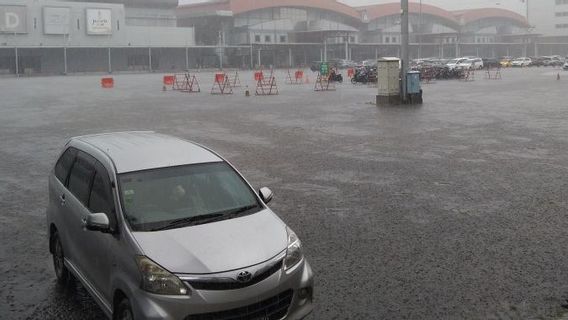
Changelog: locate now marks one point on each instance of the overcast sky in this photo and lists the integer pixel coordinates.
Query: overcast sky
(515, 5)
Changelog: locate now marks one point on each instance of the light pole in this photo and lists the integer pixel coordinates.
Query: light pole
(420, 26)
(527, 2)
(404, 46)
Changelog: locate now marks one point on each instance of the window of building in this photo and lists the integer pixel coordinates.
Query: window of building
(78, 24)
(387, 39)
(35, 23)
(559, 2)
(282, 38)
(562, 14)
(257, 38)
(352, 39)
(267, 38)
(562, 26)
(394, 40)
(117, 24)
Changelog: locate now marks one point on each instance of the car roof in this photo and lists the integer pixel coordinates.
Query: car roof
(143, 150)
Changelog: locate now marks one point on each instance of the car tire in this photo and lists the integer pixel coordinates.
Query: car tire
(61, 271)
(123, 311)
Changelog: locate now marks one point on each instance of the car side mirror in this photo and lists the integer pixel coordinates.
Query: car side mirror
(265, 194)
(97, 222)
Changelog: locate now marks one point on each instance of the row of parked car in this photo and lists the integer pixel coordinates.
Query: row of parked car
(545, 61)
(505, 62)
(468, 62)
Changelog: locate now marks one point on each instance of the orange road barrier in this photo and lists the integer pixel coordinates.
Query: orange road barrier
(493, 74)
(169, 80)
(468, 75)
(235, 80)
(266, 88)
(350, 73)
(185, 82)
(323, 84)
(258, 75)
(298, 77)
(107, 82)
(221, 85)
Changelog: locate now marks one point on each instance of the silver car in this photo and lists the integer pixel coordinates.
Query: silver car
(156, 227)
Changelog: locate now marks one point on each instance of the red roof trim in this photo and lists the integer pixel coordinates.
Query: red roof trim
(391, 9)
(242, 6)
(472, 15)
(373, 11)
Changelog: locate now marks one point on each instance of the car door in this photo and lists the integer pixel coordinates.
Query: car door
(79, 185)
(102, 247)
(58, 195)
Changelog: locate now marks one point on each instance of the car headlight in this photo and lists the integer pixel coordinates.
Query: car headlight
(294, 251)
(158, 280)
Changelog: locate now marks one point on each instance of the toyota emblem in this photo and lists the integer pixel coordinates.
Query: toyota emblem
(244, 277)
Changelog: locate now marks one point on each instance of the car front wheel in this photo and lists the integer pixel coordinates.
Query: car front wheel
(123, 311)
(58, 256)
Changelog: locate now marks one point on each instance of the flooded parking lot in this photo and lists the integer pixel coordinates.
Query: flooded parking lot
(453, 209)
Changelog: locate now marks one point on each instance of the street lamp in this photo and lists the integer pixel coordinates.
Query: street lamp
(404, 46)
(420, 26)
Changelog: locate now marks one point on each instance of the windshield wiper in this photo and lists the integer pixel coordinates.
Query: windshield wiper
(190, 221)
(237, 211)
(205, 218)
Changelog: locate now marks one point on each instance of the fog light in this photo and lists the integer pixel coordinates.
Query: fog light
(305, 295)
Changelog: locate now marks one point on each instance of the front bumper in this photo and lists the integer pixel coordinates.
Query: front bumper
(151, 306)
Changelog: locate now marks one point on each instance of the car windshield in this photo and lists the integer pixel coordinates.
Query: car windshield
(174, 197)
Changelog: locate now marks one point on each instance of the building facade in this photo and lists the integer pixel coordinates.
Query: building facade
(291, 32)
(69, 36)
(54, 37)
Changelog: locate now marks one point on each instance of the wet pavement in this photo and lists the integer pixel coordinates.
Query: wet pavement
(454, 209)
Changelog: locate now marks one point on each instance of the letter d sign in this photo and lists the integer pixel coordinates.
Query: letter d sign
(12, 20)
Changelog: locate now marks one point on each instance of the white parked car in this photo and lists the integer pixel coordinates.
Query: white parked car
(470, 63)
(565, 66)
(521, 62)
(452, 64)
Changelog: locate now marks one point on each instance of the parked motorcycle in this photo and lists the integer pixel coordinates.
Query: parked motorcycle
(335, 77)
(364, 75)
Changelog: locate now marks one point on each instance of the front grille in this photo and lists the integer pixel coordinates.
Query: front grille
(230, 284)
(274, 308)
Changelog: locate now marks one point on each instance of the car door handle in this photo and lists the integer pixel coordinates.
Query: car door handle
(62, 198)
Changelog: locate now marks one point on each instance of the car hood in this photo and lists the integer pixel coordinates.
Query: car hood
(218, 246)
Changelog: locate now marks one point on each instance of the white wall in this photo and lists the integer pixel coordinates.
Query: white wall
(122, 34)
(542, 15)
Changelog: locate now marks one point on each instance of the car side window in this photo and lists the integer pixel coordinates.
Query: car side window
(63, 165)
(81, 177)
(101, 199)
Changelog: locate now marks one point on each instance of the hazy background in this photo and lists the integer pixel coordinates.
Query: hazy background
(514, 5)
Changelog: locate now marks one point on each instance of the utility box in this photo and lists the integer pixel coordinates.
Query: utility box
(388, 81)
(413, 82)
(413, 89)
